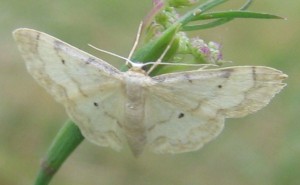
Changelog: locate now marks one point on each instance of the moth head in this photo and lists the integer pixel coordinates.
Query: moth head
(137, 67)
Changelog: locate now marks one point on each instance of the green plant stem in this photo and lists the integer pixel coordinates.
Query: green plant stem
(67, 139)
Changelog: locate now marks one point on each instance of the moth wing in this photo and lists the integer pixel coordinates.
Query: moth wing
(88, 87)
(186, 110)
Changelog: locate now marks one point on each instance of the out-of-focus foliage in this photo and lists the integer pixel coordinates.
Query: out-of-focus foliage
(263, 148)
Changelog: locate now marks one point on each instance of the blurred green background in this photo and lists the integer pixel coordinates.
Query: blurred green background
(260, 149)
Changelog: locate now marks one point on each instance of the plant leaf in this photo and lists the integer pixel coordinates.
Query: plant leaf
(224, 17)
(235, 14)
(199, 10)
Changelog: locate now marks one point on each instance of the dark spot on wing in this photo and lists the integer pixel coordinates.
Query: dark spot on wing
(57, 48)
(90, 60)
(187, 76)
(180, 115)
(159, 79)
(38, 36)
(220, 86)
(226, 73)
(36, 45)
(254, 73)
(120, 125)
(96, 104)
(57, 45)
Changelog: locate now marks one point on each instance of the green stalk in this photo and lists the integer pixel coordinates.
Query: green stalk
(67, 139)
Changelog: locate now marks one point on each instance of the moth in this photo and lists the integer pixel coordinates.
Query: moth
(170, 113)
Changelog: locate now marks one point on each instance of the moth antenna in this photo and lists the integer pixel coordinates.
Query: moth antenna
(128, 61)
(203, 66)
(113, 54)
(137, 39)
